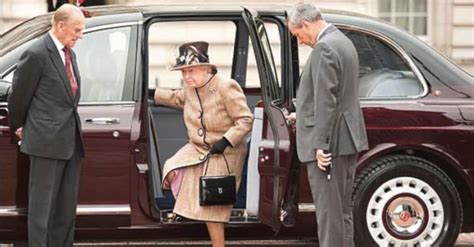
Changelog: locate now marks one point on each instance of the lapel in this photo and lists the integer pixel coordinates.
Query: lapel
(59, 64)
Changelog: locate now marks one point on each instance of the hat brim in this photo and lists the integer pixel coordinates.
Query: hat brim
(192, 65)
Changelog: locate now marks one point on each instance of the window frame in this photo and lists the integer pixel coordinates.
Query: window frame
(157, 20)
(399, 51)
(129, 66)
(237, 19)
(411, 14)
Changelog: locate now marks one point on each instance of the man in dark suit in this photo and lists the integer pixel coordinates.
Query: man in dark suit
(43, 111)
(330, 129)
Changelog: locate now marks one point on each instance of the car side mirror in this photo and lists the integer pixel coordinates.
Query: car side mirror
(5, 90)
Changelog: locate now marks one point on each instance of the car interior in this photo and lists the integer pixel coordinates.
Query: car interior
(230, 55)
(382, 73)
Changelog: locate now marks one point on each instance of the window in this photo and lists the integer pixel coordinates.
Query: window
(383, 73)
(273, 47)
(273, 85)
(102, 59)
(9, 76)
(165, 37)
(408, 14)
(5, 89)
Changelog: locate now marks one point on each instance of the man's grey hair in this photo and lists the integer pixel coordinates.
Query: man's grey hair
(304, 12)
(65, 13)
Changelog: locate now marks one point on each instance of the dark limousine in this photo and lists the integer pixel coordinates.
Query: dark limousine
(413, 187)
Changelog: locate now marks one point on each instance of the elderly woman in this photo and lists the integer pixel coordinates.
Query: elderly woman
(217, 119)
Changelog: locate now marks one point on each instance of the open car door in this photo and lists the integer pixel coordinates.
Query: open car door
(277, 144)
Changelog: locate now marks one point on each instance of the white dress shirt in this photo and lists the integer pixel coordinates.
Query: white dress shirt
(60, 47)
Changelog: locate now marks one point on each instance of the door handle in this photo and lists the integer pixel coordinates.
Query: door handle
(102, 121)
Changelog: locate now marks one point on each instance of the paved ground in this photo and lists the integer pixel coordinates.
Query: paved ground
(464, 240)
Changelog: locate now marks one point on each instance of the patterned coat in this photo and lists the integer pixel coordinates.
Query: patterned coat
(225, 113)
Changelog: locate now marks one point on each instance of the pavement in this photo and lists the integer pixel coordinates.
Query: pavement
(464, 240)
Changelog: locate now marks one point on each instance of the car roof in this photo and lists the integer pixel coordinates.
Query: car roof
(105, 14)
(204, 9)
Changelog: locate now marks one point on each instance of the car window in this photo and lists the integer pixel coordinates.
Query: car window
(102, 59)
(383, 72)
(274, 48)
(273, 85)
(165, 37)
(5, 89)
(9, 77)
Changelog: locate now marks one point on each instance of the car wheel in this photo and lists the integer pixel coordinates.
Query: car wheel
(402, 200)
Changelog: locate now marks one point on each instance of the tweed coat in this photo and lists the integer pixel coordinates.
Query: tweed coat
(224, 113)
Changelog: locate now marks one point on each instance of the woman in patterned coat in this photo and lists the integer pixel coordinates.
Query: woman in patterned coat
(217, 120)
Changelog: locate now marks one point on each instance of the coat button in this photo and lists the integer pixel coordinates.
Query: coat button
(200, 132)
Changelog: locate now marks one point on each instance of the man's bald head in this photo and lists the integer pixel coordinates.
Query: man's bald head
(68, 24)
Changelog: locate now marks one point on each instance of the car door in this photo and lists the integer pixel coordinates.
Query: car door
(14, 165)
(277, 143)
(106, 60)
(12, 196)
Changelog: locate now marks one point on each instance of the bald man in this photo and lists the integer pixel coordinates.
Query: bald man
(43, 111)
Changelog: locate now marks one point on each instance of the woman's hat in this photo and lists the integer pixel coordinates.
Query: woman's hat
(192, 54)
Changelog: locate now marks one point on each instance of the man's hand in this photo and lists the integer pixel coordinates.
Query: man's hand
(324, 159)
(19, 132)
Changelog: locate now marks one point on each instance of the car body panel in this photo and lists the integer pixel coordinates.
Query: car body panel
(116, 186)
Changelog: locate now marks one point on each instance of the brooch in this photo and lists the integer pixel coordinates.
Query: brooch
(212, 90)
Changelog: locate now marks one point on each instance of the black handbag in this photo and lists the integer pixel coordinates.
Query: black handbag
(217, 190)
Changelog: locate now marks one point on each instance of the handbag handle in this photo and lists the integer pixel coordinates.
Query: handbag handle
(207, 163)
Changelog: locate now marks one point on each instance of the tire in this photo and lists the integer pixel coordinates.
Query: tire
(402, 200)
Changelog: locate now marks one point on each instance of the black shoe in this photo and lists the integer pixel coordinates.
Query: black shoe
(288, 217)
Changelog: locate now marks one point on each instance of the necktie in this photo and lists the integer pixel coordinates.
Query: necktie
(67, 54)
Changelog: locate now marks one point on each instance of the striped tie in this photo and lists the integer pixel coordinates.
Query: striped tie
(67, 53)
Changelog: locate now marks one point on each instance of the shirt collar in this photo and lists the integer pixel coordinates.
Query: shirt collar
(56, 42)
(322, 31)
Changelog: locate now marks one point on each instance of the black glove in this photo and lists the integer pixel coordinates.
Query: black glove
(219, 146)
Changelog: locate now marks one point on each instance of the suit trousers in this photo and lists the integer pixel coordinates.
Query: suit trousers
(333, 201)
(53, 193)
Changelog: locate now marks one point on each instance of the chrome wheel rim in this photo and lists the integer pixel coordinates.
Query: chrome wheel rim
(405, 211)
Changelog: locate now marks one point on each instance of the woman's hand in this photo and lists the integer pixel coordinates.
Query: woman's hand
(219, 146)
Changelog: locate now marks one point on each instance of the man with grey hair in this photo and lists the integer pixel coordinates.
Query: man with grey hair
(330, 129)
(43, 113)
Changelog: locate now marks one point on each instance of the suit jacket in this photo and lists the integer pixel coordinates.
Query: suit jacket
(43, 104)
(329, 116)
